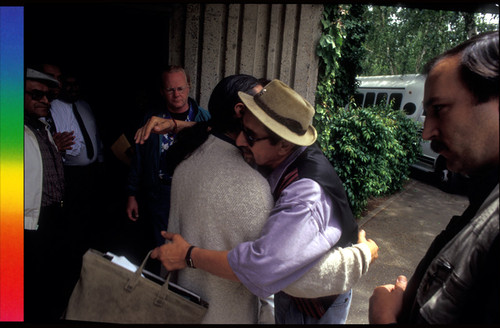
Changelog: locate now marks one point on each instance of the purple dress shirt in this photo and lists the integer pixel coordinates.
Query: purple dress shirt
(301, 228)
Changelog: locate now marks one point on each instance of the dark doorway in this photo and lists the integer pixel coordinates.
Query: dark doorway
(116, 48)
(117, 51)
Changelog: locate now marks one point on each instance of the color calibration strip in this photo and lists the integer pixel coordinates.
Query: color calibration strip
(11, 163)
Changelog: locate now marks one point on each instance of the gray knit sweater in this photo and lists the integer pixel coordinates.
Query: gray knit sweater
(237, 201)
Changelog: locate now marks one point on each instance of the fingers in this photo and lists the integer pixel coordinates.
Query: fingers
(361, 236)
(140, 137)
(137, 135)
(132, 208)
(146, 131)
(384, 305)
(172, 254)
(401, 283)
(370, 243)
(167, 235)
(131, 215)
(373, 249)
(155, 253)
(142, 133)
(64, 140)
(155, 124)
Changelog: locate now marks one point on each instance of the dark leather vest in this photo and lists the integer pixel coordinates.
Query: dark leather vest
(313, 164)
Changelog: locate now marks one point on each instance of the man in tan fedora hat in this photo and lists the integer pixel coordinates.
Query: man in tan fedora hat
(311, 213)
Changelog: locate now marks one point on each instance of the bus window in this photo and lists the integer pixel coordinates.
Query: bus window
(370, 97)
(397, 97)
(358, 99)
(381, 98)
(409, 108)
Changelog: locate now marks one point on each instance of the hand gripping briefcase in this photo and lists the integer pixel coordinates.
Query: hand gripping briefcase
(108, 292)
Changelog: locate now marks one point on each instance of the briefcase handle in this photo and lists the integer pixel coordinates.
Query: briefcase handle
(132, 282)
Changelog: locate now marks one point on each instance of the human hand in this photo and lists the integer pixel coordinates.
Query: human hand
(132, 208)
(370, 243)
(172, 255)
(386, 302)
(155, 124)
(64, 140)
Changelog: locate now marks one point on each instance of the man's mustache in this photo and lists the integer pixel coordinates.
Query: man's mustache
(438, 146)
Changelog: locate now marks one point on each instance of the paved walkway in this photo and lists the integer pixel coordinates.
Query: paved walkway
(403, 227)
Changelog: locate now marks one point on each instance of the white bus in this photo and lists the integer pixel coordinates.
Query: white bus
(407, 91)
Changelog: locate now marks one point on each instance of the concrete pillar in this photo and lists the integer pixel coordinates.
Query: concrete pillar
(192, 46)
(265, 40)
(306, 63)
(231, 63)
(214, 33)
(275, 44)
(289, 45)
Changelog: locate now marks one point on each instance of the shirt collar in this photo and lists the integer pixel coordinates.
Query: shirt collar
(33, 122)
(276, 174)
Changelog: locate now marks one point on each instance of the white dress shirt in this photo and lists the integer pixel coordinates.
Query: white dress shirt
(64, 119)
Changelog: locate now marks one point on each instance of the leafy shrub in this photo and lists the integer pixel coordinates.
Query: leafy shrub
(371, 149)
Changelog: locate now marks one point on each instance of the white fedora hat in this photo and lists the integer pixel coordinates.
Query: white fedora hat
(32, 74)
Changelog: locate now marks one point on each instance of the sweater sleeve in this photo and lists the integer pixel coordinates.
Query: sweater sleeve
(335, 273)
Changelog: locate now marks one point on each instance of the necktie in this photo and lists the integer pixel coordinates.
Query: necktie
(50, 122)
(86, 137)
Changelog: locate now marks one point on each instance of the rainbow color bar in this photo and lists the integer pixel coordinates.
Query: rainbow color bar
(11, 163)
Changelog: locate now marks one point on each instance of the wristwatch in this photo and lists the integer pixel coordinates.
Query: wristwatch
(189, 260)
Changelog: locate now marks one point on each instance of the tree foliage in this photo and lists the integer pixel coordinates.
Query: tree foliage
(340, 51)
(401, 40)
(372, 148)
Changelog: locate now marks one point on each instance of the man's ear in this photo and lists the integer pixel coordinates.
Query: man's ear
(238, 110)
(285, 147)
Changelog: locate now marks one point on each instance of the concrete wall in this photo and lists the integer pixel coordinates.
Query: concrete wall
(264, 40)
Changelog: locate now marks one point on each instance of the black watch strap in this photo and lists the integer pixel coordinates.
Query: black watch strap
(189, 260)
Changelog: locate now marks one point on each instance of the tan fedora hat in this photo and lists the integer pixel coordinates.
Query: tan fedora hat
(284, 112)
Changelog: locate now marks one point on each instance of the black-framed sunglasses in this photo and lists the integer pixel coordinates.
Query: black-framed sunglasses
(38, 94)
(251, 140)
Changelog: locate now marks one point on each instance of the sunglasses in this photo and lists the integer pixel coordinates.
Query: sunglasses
(38, 95)
(251, 140)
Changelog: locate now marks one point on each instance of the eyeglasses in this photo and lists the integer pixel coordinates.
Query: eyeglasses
(38, 95)
(178, 89)
(251, 140)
